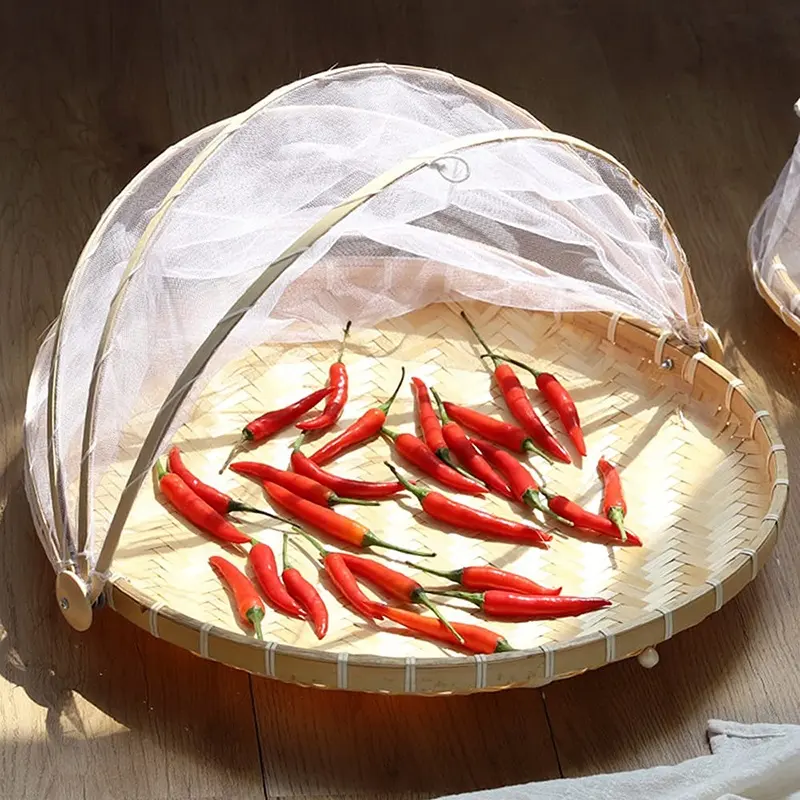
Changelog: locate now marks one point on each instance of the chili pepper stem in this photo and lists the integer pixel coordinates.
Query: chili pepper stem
(256, 615)
(532, 500)
(422, 598)
(235, 450)
(389, 433)
(235, 506)
(419, 493)
(317, 544)
(521, 364)
(344, 340)
(503, 647)
(160, 469)
(489, 352)
(388, 404)
(530, 447)
(618, 518)
(371, 540)
(352, 501)
(285, 554)
(443, 452)
(298, 442)
(470, 597)
(453, 575)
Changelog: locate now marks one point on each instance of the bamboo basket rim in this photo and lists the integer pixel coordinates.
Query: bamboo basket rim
(540, 665)
(789, 289)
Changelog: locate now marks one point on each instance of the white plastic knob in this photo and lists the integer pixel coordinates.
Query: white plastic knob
(648, 658)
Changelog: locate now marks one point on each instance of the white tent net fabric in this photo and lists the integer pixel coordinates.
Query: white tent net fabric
(520, 222)
(775, 237)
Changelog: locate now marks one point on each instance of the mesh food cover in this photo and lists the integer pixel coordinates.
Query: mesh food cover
(362, 193)
(775, 243)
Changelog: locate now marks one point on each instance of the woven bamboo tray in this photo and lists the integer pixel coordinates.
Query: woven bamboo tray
(781, 294)
(704, 471)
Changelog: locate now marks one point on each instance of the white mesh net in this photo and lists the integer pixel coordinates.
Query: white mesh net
(522, 222)
(775, 238)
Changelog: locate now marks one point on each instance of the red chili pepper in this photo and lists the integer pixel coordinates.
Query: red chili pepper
(498, 431)
(420, 455)
(460, 516)
(196, 510)
(328, 521)
(476, 639)
(245, 596)
(614, 505)
(395, 584)
(334, 405)
(344, 580)
(304, 593)
(507, 605)
(557, 397)
(219, 501)
(524, 487)
(273, 421)
(469, 455)
(480, 578)
(587, 521)
(262, 559)
(431, 427)
(366, 427)
(346, 487)
(301, 485)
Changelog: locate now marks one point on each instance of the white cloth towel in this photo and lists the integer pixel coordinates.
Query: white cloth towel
(748, 762)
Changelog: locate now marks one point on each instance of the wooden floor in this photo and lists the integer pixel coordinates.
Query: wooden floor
(696, 97)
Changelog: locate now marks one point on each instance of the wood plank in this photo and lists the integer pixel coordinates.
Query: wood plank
(113, 713)
(708, 131)
(352, 745)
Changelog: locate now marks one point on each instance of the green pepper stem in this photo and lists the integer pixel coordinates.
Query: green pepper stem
(309, 538)
(453, 575)
(285, 554)
(440, 405)
(530, 447)
(256, 615)
(489, 352)
(388, 404)
(420, 494)
(235, 506)
(422, 598)
(389, 433)
(298, 442)
(470, 597)
(503, 646)
(371, 540)
(521, 364)
(445, 455)
(532, 500)
(344, 340)
(617, 516)
(160, 470)
(335, 500)
(235, 450)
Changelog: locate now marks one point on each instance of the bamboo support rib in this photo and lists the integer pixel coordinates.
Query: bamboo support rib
(229, 321)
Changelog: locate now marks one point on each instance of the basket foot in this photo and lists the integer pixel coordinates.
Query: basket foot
(648, 658)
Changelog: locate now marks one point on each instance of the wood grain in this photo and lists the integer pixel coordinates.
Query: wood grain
(693, 97)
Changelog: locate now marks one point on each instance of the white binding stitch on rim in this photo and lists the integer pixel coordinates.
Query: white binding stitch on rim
(153, 617)
(410, 675)
(549, 661)
(480, 671)
(203, 645)
(611, 332)
(770, 518)
(756, 417)
(668, 627)
(748, 551)
(775, 448)
(719, 598)
(733, 385)
(611, 647)
(341, 671)
(658, 354)
(690, 367)
(269, 659)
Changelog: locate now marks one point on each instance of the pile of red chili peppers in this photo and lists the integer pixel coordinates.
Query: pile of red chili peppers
(461, 448)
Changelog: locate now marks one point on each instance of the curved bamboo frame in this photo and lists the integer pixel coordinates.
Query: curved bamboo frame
(272, 272)
(233, 124)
